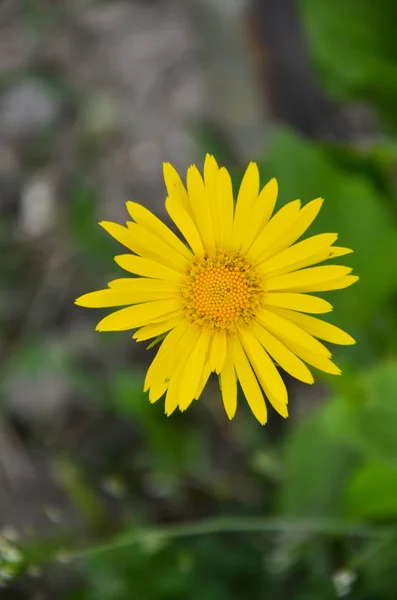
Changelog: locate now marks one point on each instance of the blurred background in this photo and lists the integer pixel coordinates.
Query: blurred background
(102, 497)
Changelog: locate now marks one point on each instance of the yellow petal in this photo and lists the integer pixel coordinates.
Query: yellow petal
(283, 329)
(261, 213)
(311, 358)
(225, 208)
(136, 316)
(143, 284)
(321, 329)
(166, 349)
(167, 368)
(169, 315)
(248, 194)
(228, 385)
(155, 329)
(120, 297)
(122, 235)
(248, 381)
(334, 284)
(282, 355)
(296, 230)
(173, 391)
(146, 267)
(217, 353)
(200, 207)
(157, 390)
(194, 370)
(185, 224)
(140, 244)
(173, 367)
(299, 302)
(301, 281)
(281, 221)
(210, 177)
(151, 246)
(266, 372)
(313, 259)
(175, 187)
(301, 251)
(150, 222)
(203, 382)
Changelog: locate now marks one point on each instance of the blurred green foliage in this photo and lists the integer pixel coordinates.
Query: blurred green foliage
(353, 45)
(322, 489)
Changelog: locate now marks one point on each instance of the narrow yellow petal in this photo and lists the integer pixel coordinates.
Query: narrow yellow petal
(266, 372)
(173, 391)
(168, 367)
(136, 316)
(165, 351)
(248, 381)
(143, 284)
(301, 281)
(228, 385)
(120, 297)
(311, 358)
(225, 208)
(150, 222)
(261, 213)
(122, 235)
(146, 267)
(158, 390)
(143, 243)
(248, 194)
(281, 221)
(169, 315)
(210, 177)
(334, 284)
(155, 329)
(299, 302)
(200, 207)
(301, 251)
(282, 355)
(173, 367)
(313, 259)
(103, 299)
(203, 382)
(194, 370)
(185, 224)
(151, 246)
(175, 187)
(283, 329)
(289, 236)
(317, 327)
(217, 353)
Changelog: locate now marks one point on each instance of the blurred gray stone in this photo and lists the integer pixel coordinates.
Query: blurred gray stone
(100, 116)
(39, 398)
(26, 109)
(37, 207)
(146, 55)
(235, 104)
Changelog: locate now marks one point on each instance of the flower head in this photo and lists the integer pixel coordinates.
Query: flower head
(233, 299)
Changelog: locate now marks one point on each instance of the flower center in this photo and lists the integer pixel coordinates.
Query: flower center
(221, 292)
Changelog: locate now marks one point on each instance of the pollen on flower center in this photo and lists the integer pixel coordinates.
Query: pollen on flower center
(221, 292)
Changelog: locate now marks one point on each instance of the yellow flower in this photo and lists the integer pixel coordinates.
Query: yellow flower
(233, 300)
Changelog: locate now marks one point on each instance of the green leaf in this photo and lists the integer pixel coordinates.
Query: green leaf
(92, 242)
(156, 341)
(353, 46)
(172, 445)
(372, 492)
(316, 470)
(367, 419)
